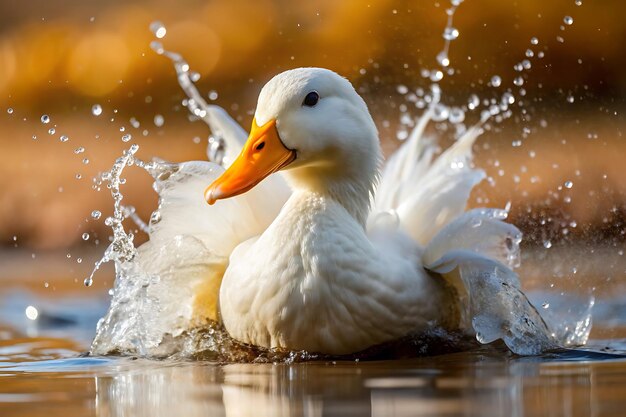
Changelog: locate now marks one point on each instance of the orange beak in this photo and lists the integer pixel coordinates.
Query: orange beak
(263, 154)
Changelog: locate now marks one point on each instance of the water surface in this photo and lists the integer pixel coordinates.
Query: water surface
(43, 370)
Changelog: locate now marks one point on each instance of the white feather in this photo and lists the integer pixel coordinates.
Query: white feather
(226, 128)
(481, 231)
(416, 188)
(184, 211)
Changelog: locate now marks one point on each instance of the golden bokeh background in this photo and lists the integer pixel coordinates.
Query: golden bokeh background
(62, 57)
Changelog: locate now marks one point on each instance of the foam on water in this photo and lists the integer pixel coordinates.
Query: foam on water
(151, 309)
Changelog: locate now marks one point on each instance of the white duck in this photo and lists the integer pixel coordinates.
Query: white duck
(314, 279)
(315, 268)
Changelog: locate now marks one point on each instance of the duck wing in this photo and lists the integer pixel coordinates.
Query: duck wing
(199, 237)
(474, 251)
(422, 193)
(172, 282)
(227, 135)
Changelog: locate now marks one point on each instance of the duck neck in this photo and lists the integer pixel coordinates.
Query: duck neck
(352, 191)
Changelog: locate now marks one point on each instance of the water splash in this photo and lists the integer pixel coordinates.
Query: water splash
(158, 29)
(150, 312)
(121, 250)
(450, 33)
(145, 313)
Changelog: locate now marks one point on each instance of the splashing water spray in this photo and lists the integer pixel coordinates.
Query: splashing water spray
(122, 248)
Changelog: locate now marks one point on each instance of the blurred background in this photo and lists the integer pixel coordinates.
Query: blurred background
(559, 160)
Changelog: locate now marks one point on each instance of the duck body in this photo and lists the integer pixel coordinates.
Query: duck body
(315, 281)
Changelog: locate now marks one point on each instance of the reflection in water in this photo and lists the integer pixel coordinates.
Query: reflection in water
(476, 383)
(183, 390)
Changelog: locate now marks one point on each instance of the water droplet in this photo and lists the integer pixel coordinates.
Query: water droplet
(456, 115)
(578, 2)
(88, 282)
(213, 95)
(79, 150)
(450, 34)
(545, 305)
(10, 110)
(568, 20)
(158, 29)
(569, 184)
(64, 138)
(518, 81)
(534, 41)
(45, 119)
(402, 89)
(443, 59)
(570, 98)
(508, 98)
(158, 48)
(85, 236)
(476, 222)
(158, 120)
(530, 53)
(31, 313)
(496, 81)
(96, 110)
(547, 244)
(473, 102)
(79, 260)
(96, 214)
(440, 113)
(85, 161)
(127, 137)
(51, 131)
(560, 39)
(436, 76)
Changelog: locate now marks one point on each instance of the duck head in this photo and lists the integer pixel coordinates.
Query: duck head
(311, 123)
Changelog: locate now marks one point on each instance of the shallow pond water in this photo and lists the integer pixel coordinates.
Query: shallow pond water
(43, 369)
(484, 381)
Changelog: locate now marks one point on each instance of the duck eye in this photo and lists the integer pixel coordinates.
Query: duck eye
(260, 146)
(311, 99)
